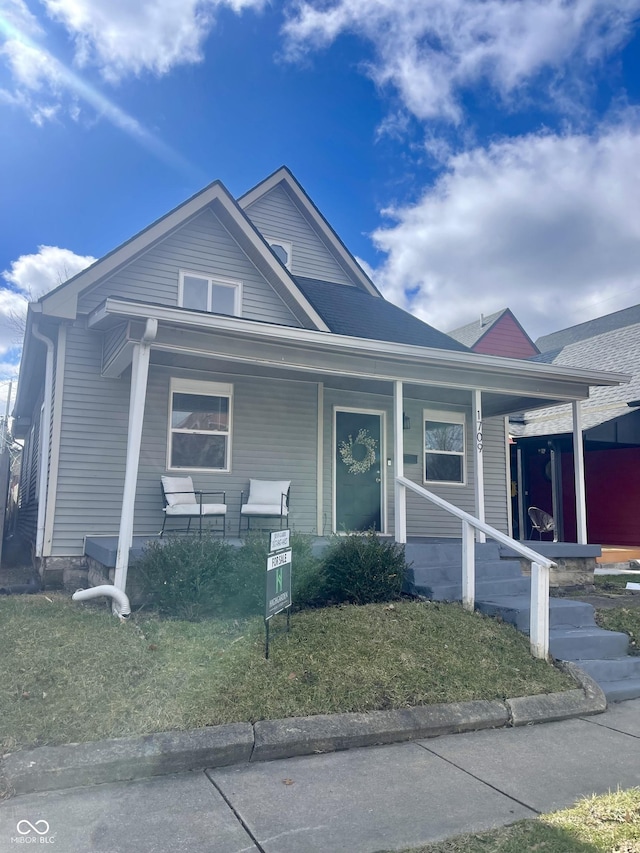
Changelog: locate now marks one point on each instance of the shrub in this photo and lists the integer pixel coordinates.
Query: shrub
(363, 569)
(188, 577)
(191, 578)
(305, 579)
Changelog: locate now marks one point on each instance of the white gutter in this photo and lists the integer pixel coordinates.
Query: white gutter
(426, 356)
(45, 425)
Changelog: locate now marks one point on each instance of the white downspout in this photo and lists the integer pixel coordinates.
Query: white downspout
(137, 397)
(45, 426)
(118, 597)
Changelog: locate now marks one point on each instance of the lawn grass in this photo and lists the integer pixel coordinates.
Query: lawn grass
(72, 672)
(614, 584)
(626, 619)
(600, 824)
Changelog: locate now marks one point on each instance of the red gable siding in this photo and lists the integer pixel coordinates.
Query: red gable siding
(506, 338)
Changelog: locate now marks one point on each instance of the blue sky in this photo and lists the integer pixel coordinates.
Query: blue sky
(473, 154)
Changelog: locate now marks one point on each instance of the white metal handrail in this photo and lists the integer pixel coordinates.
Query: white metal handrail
(540, 565)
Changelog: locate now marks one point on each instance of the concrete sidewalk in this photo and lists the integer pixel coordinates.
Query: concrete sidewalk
(358, 801)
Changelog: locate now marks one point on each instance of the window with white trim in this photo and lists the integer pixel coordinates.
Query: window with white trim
(199, 426)
(210, 293)
(444, 447)
(282, 249)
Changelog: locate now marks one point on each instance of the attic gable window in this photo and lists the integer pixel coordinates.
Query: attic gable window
(281, 249)
(210, 293)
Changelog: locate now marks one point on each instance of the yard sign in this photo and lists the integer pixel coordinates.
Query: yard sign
(278, 597)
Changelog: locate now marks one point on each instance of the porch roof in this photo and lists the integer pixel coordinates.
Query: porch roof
(510, 384)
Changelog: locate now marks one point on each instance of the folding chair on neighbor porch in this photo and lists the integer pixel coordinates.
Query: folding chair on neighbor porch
(266, 499)
(183, 501)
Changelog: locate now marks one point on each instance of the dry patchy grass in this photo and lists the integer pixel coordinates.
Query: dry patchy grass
(73, 672)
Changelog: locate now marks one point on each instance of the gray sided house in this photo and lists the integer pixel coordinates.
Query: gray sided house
(236, 339)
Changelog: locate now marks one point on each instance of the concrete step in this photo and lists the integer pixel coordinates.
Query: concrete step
(516, 611)
(589, 643)
(618, 691)
(447, 553)
(492, 570)
(614, 669)
(484, 589)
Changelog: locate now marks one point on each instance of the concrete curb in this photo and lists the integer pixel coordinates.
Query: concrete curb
(51, 768)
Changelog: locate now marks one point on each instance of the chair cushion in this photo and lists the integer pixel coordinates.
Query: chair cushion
(193, 510)
(178, 484)
(267, 492)
(263, 509)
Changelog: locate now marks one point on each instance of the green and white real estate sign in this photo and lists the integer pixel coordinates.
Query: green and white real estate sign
(278, 574)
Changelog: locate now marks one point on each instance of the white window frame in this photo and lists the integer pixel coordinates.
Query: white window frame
(211, 280)
(448, 417)
(211, 389)
(286, 244)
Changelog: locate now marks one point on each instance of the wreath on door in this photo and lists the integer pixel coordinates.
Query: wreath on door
(358, 454)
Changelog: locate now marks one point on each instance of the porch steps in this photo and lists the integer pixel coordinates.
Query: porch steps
(504, 592)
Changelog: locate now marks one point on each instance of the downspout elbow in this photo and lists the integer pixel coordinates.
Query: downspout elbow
(121, 606)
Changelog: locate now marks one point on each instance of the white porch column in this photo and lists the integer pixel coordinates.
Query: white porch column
(399, 491)
(137, 398)
(478, 466)
(578, 467)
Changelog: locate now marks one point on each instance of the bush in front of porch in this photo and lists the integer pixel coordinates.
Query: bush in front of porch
(193, 578)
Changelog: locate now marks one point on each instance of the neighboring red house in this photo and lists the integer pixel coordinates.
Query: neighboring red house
(497, 334)
(543, 464)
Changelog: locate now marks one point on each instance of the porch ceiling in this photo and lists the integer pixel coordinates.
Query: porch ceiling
(213, 343)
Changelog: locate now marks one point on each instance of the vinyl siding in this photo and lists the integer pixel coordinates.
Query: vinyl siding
(113, 340)
(276, 215)
(423, 519)
(495, 474)
(506, 338)
(203, 246)
(274, 437)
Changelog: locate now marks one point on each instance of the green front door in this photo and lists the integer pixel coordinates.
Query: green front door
(358, 471)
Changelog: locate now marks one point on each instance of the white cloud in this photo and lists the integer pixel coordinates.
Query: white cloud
(431, 50)
(29, 278)
(123, 37)
(547, 225)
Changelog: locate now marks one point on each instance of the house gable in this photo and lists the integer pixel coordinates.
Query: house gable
(506, 337)
(62, 302)
(497, 334)
(204, 246)
(280, 209)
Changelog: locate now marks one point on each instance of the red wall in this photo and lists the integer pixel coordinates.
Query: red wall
(613, 496)
(612, 479)
(506, 338)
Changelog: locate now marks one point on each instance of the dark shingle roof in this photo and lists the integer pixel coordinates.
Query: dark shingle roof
(617, 320)
(351, 311)
(472, 332)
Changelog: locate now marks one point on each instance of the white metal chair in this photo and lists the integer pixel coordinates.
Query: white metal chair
(542, 522)
(183, 501)
(266, 499)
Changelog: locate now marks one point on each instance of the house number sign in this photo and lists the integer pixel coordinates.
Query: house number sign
(479, 443)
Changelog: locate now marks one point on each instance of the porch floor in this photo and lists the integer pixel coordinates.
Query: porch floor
(103, 549)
